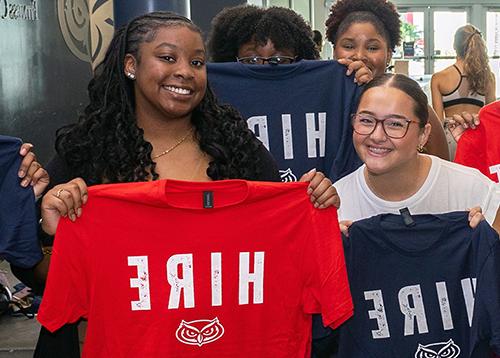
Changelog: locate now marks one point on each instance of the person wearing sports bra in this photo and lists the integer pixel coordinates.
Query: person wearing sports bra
(463, 88)
(462, 94)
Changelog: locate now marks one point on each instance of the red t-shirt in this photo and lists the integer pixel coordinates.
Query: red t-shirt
(480, 148)
(157, 274)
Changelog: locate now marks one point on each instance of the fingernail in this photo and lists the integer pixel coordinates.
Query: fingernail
(355, 80)
(316, 205)
(322, 206)
(79, 212)
(20, 173)
(348, 72)
(465, 125)
(313, 170)
(84, 198)
(24, 183)
(23, 151)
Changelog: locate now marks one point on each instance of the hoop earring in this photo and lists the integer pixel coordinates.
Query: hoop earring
(420, 148)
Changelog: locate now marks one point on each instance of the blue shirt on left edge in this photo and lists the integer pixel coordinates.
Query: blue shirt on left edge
(18, 221)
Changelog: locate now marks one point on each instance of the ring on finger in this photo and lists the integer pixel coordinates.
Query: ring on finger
(58, 194)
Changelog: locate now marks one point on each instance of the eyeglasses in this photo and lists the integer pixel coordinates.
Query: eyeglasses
(394, 127)
(273, 60)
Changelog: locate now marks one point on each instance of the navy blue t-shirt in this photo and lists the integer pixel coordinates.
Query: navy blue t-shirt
(301, 112)
(18, 222)
(430, 290)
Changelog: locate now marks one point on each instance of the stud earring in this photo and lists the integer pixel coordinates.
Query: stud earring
(130, 75)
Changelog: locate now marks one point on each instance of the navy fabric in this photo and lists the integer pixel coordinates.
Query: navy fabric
(301, 112)
(18, 222)
(429, 290)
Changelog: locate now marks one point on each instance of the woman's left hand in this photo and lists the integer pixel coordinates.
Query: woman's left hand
(321, 191)
(31, 172)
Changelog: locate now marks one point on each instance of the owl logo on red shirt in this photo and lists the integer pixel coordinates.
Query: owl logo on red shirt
(200, 332)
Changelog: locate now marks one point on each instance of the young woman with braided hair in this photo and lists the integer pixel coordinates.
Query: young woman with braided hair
(465, 86)
(152, 116)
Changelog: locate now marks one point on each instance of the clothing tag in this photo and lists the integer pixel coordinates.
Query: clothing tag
(408, 220)
(208, 199)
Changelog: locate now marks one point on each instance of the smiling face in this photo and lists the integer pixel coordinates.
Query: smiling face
(381, 154)
(362, 42)
(171, 77)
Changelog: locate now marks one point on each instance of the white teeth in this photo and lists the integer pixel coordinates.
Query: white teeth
(177, 90)
(379, 150)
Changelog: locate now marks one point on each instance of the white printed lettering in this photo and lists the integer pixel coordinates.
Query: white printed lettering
(257, 277)
(141, 282)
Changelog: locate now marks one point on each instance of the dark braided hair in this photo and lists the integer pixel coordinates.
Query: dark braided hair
(236, 26)
(382, 14)
(106, 145)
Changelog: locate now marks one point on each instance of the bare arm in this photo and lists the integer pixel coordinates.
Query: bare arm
(490, 93)
(437, 98)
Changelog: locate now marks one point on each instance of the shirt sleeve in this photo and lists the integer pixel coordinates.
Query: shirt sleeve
(327, 289)
(65, 298)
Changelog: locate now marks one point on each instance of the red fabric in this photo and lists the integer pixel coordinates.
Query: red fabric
(304, 269)
(480, 148)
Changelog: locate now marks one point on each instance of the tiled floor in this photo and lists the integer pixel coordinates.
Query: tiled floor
(18, 335)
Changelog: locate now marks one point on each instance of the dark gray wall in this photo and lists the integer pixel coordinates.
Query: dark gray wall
(203, 11)
(42, 84)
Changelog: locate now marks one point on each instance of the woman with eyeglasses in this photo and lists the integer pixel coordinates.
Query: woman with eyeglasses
(253, 35)
(389, 127)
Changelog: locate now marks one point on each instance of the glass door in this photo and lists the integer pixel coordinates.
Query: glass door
(446, 22)
(409, 57)
(493, 43)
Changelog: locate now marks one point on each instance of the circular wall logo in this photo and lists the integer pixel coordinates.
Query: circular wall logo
(86, 26)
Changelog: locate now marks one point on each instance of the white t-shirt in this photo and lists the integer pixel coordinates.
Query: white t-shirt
(448, 187)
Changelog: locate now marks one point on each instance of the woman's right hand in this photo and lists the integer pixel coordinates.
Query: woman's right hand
(63, 200)
(459, 123)
(362, 74)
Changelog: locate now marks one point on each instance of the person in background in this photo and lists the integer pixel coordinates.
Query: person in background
(364, 34)
(22, 180)
(318, 40)
(464, 87)
(152, 116)
(253, 35)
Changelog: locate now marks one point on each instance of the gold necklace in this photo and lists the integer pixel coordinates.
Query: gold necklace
(168, 150)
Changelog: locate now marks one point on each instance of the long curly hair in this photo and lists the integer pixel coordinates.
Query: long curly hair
(238, 25)
(470, 46)
(381, 14)
(106, 145)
